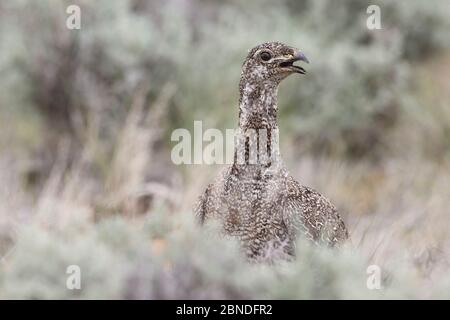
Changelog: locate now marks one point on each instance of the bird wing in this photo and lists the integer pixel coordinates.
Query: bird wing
(308, 212)
(201, 207)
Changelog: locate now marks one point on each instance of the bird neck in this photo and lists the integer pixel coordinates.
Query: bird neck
(257, 139)
(258, 105)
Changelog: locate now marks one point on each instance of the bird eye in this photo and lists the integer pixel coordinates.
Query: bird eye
(265, 56)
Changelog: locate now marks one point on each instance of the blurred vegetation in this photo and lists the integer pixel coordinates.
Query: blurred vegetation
(123, 260)
(86, 117)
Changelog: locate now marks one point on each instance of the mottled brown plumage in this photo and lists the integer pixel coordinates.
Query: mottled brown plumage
(256, 199)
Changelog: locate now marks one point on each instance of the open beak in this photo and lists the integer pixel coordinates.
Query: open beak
(289, 63)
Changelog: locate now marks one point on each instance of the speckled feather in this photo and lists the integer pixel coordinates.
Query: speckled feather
(261, 203)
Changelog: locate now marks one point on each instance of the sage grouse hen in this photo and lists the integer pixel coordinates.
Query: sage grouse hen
(256, 199)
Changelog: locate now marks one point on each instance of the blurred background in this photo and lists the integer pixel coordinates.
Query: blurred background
(86, 117)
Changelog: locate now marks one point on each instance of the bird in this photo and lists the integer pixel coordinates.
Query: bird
(256, 199)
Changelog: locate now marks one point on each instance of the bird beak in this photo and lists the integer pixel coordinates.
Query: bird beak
(300, 56)
(289, 63)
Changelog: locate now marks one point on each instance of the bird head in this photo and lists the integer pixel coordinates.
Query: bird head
(272, 61)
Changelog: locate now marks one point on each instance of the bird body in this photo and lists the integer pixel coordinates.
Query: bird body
(256, 199)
